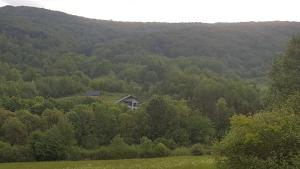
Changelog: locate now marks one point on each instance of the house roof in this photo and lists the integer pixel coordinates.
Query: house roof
(126, 97)
(92, 93)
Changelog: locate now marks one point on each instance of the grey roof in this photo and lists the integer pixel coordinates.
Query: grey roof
(92, 93)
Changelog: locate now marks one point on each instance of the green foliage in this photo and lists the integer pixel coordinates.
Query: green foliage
(170, 143)
(106, 123)
(112, 130)
(146, 146)
(285, 74)
(30, 35)
(181, 151)
(4, 115)
(160, 150)
(58, 86)
(110, 84)
(54, 144)
(201, 129)
(10, 153)
(52, 117)
(82, 119)
(14, 131)
(293, 102)
(223, 113)
(268, 139)
(119, 149)
(33, 122)
(176, 121)
(264, 139)
(197, 149)
(152, 149)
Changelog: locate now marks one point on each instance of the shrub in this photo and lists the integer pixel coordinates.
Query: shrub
(6, 152)
(170, 143)
(160, 150)
(146, 148)
(264, 140)
(105, 153)
(197, 149)
(296, 161)
(119, 149)
(10, 153)
(181, 151)
(74, 153)
(251, 162)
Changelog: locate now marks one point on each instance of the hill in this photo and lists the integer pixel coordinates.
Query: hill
(247, 49)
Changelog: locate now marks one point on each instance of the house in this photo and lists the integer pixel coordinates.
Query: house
(131, 101)
(92, 93)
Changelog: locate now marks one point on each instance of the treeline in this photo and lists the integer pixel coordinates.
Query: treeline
(211, 93)
(97, 130)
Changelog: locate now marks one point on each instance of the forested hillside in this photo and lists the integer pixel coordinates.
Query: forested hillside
(248, 49)
(190, 78)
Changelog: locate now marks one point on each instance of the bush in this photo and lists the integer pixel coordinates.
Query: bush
(74, 153)
(160, 150)
(119, 149)
(181, 151)
(53, 144)
(170, 143)
(197, 149)
(146, 148)
(264, 140)
(253, 163)
(296, 161)
(6, 152)
(10, 153)
(105, 153)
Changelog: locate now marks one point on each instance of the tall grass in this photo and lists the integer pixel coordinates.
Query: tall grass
(186, 162)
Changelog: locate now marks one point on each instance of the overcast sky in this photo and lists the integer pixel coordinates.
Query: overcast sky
(173, 10)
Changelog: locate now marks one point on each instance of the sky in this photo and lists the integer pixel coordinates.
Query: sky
(209, 11)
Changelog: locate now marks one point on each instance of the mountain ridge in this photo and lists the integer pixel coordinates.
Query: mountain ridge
(250, 46)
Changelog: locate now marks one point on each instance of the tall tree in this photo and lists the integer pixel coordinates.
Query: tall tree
(285, 75)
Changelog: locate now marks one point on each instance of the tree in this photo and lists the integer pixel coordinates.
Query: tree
(4, 115)
(201, 128)
(161, 112)
(52, 117)
(33, 122)
(14, 131)
(54, 143)
(127, 126)
(106, 123)
(285, 74)
(83, 120)
(222, 115)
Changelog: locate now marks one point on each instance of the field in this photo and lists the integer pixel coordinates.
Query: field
(192, 162)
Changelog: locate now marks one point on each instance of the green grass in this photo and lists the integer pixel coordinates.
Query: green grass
(190, 162)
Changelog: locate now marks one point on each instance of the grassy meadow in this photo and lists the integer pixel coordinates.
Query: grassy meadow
(190, 162)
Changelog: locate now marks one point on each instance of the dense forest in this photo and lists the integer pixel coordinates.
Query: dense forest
(190, 77)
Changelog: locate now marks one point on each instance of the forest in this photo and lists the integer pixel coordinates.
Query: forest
(199, 94)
